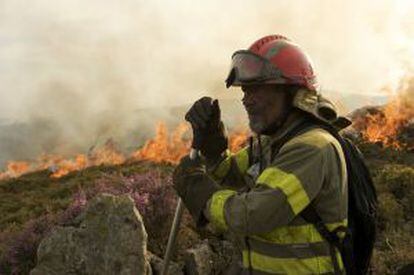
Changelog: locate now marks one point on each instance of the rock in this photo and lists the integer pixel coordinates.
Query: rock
(157, 265)
(199, 260)
(109, 238)
(212, 256)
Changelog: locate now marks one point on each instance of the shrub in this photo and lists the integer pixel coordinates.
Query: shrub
(19, 247)
(394, 243)
(398, 180)
(390, 212)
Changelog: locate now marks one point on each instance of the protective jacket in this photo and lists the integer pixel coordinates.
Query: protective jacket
(264, 194)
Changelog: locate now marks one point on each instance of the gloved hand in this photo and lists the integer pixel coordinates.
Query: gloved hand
(194, 187)
(208, 130)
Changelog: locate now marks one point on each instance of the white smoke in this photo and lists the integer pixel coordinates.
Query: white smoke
(89, 65)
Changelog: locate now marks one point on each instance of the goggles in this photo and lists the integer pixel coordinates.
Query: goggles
(249, 68)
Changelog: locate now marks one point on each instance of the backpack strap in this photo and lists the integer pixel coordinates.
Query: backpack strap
(310, 214)
(300, 128)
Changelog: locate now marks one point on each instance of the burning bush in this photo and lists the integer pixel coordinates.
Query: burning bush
(391, 124)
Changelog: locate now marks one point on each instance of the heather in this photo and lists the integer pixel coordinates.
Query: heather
(61, 200)
(30, 206)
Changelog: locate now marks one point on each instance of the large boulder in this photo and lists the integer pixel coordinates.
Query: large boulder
(109, 237)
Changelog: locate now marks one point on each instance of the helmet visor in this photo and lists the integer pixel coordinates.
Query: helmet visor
(247, 68)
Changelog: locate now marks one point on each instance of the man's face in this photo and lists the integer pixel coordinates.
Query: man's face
(264, 104)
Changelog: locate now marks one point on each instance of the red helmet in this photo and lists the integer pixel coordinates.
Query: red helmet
(273, 59)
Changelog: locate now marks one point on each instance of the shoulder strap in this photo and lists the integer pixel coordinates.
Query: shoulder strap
(301, 127)
(310, 214)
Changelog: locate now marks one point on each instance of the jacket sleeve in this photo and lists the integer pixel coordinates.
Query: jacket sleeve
(229, 172)
(281, 191)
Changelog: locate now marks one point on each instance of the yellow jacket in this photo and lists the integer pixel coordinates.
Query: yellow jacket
(262, 207)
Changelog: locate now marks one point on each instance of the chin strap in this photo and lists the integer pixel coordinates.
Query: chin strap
(279, 123)
(259, 144)
(290, 93)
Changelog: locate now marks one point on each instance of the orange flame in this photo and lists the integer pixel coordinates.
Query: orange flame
(163, 148)
(167, 149)
(15, 169)
(388, 124)
(64, 166)
(238, 139)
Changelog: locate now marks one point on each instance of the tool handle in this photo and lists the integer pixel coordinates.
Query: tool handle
(175, 226)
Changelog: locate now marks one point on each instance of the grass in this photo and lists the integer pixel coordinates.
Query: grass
(394, 248)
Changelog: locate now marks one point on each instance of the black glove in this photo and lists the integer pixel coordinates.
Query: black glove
(194, 187)
(208, 129)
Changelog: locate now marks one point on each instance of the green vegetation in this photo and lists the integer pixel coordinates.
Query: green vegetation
(395, 245)
(36, 194)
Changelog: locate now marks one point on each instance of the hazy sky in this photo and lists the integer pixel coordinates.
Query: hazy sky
(69, 58)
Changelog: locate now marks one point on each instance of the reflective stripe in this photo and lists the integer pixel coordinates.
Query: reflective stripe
(245, 271)
(242, 160)
(223, 168)
(218, 200)
(269, 264)
(290, 186)
(297, 234)
(301, 251)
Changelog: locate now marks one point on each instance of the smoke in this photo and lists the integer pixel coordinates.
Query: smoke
(87, 70)
(406, 97)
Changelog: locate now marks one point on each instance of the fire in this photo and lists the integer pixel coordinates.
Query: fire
(238, 138)
(165, 147)
(170, 149)
(386, 126)
(64, 166)
(17, 168)
(106, 155)
(390, 125)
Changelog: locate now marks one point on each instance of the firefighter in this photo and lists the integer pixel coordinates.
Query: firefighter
(258, 193)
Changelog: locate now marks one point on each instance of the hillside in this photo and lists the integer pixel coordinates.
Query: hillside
(27, 140)
(31, 204)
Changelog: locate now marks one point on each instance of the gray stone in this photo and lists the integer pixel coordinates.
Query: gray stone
(199, 260)
(157, 266)
(109, 238)
(213, 256)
